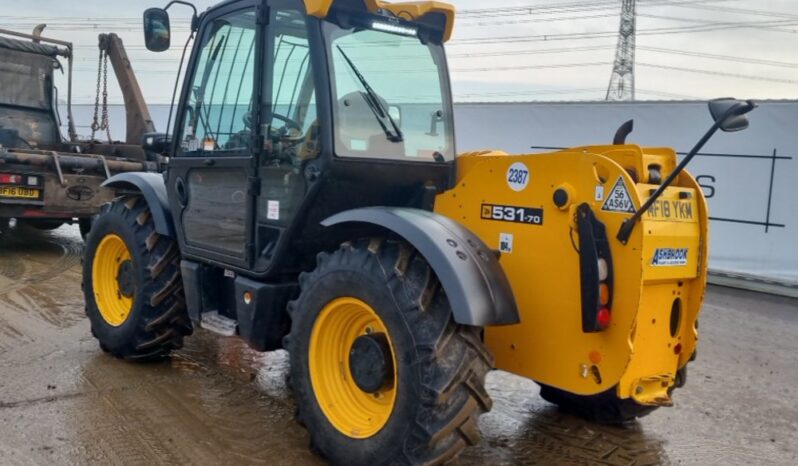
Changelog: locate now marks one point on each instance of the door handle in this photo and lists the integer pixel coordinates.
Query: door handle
(209, 162)
(182, 192)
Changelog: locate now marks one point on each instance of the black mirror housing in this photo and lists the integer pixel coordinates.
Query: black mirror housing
(157, 31)
(730, 113)
(156, 142)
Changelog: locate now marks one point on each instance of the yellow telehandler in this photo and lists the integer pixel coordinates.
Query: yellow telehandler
(313, 201)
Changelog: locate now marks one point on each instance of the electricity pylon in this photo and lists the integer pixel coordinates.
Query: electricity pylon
(622, 80)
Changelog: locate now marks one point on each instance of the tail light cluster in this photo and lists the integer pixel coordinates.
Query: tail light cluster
(24, 180)
(595, 270)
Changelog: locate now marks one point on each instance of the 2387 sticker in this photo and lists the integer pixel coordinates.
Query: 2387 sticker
(517, 176)
(508, 213)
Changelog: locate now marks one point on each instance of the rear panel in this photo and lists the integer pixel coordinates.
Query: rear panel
(516, 205)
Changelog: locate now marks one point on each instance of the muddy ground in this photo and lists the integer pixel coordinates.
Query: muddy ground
(62, 401)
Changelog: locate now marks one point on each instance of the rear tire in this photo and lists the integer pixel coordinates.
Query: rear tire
(141, 316)
(438, 387)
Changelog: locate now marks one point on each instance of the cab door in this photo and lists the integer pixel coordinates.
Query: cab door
(212, 177)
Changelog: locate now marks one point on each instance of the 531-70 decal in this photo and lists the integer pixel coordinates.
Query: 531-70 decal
(507, 213)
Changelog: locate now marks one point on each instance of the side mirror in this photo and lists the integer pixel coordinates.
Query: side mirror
(157, 33)
(156, 142)
(729, 113)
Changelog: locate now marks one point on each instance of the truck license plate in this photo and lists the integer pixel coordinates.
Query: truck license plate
(18, 192)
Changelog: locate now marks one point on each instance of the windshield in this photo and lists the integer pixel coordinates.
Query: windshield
(27, 79)
(390, 96)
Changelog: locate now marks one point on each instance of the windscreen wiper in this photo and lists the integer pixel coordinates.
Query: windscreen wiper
(393, 133)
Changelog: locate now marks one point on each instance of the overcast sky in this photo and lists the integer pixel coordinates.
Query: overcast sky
(555, 50)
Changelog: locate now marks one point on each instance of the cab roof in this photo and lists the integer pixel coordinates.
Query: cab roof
(438, 14)
(411, 11)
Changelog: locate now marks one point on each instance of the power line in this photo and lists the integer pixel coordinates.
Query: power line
(719, 73)
(713, 56)
(744, 11)
(530, 67)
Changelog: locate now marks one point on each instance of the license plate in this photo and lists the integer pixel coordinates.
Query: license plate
(672, 210)
(19, 192)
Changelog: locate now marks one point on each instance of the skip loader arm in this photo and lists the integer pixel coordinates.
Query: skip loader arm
(139, 121)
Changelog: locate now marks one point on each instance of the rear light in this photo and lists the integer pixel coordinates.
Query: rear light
(604, 294)
(603, 317)
(603, 269)
(6, 178)
(595, 270)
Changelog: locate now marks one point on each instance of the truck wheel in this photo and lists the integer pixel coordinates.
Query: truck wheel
(84, 224)
(381, 372)
(132, 287)
(604, 408)
(44, 225)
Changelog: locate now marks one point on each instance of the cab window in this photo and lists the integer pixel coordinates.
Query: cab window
(218, 116)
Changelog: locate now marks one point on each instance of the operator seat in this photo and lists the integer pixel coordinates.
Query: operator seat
(358, 129)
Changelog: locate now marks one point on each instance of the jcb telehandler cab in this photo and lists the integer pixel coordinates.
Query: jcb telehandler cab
(313, 202)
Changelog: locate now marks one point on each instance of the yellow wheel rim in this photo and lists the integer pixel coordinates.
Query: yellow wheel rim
(113, 304)
(352, 411)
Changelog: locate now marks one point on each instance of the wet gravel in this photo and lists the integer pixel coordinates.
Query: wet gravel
(62, 401)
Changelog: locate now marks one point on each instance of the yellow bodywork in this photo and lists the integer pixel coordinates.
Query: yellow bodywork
(410, 11)
(636, 354)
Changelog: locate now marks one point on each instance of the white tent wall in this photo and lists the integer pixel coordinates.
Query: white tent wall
(749, 177)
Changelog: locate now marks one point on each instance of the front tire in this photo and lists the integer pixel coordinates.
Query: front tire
(131, 284)
(603, 408)
(426, 408)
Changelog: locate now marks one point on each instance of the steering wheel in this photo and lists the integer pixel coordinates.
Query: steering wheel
(289, 123)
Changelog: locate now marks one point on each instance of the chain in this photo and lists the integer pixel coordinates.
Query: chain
(101, 122)
(95, 125)
(104, 122)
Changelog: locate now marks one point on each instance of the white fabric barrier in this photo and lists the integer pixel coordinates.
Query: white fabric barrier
(749, 177)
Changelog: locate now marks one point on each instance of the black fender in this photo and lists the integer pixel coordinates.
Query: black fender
(470, 273)
(153, 187)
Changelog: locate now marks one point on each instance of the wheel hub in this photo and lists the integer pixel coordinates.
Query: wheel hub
(125, 278)
(347, 325)
(371, 362)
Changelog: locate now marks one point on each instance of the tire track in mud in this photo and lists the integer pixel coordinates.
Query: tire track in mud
(191, 409)
(53, 253)
(524, 429)
(32, 297)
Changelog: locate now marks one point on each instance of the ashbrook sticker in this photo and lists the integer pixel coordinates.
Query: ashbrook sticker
(517, 176)
(664, 257)
(618, 199)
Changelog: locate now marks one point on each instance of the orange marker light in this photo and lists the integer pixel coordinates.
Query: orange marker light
(595, 357)
(604, 294)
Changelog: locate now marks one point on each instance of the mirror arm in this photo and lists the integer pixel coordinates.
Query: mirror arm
(628, 225)
(194, 19)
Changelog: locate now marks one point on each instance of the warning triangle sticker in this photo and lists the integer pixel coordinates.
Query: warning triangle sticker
(618, 199)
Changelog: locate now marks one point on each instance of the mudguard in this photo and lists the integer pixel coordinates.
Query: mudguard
(470, 273)
(153, 188)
